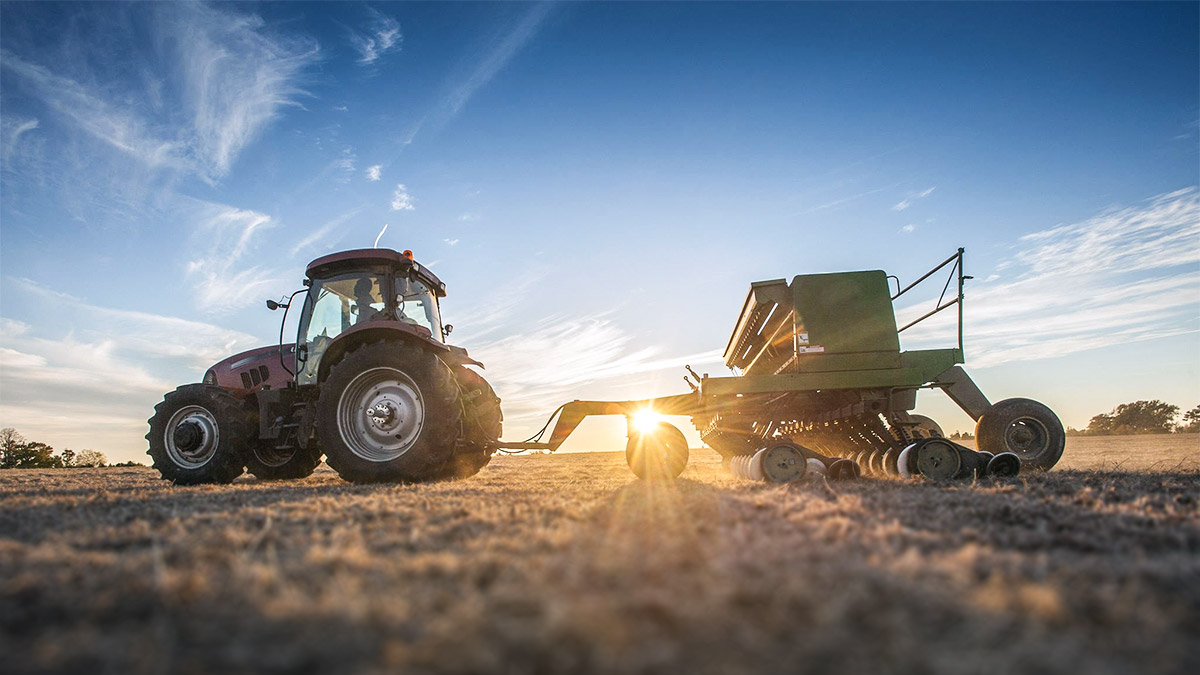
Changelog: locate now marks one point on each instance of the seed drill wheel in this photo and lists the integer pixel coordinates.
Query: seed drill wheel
(197, 435)
(844, 469)
(1025, 428)
(265, 461)
(388, 412)
(938, 460)
(782, 463)
(661, 453)
(1004, 465)
(906, 463)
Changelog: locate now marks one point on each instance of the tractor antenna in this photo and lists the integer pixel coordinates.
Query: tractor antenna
(380, 236)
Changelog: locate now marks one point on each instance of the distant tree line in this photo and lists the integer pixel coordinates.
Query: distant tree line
(18, 453)
(1127, 419)
(1141, 417)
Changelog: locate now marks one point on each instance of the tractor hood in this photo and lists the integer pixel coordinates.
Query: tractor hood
(359, 258)
(249, 371)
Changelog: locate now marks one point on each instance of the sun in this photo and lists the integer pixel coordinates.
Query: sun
(646, 421)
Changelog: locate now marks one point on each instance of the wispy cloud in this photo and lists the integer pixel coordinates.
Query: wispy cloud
(1126, 275)
(908, 229)
(131, 333)
(493, 59)
(450, 242)
(845, 200)
(88, 112)
(374, 172)
(345, 164)
(95, 384)
(236, 78)
(327, 234)
(535, 366)
(233, 79)
(221, 238)
(11, 130)
(905, 203)
(552, 361)
(381, 36)
(401, 200)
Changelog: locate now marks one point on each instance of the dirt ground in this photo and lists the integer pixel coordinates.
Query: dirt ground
(568, 564)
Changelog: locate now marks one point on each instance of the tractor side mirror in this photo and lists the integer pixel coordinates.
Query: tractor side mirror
(272, 305)
(447, 329)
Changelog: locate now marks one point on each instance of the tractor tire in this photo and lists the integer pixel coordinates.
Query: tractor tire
(1024, 427)
(483, 424)
(197, 435)
(265, 462)
(388, 412)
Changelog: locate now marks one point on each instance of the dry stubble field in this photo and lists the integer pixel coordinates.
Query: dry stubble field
(567, 564)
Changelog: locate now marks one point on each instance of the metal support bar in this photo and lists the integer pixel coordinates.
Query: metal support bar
(930, 273)
(963, 391)
(910, 324)
(574, 412)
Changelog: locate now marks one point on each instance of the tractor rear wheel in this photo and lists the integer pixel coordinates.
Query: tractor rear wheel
(1023, 427)
(388, 412)
(197, 435)
(266, 462)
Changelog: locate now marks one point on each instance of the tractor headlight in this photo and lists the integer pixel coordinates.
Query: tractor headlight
(209, 377)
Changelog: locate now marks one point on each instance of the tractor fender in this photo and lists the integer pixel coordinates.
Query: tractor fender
(376, 331)
(457, 356)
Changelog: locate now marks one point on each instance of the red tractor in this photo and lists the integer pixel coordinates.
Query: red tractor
(369, 383)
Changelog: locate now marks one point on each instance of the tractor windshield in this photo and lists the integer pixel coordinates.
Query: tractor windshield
(337, 303)
(415, 303)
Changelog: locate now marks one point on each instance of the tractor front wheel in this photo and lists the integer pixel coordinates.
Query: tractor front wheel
(1023, 427)
(197, 435)
(388, 412)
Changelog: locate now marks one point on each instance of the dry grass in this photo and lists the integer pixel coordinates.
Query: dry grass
(568, 564)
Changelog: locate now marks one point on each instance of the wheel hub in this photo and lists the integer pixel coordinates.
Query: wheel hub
(1026, 436)
(188, 436)
(192, 437)
(380, 414)
(384, 415)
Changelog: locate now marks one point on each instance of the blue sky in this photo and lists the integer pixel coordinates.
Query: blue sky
(598, 184)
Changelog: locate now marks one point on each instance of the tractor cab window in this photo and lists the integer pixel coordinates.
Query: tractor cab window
(415, 303)
(337, 303)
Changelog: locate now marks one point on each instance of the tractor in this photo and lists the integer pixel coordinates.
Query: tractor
(370, 383)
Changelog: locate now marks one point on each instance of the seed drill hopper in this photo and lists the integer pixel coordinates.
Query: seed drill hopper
(820, 383)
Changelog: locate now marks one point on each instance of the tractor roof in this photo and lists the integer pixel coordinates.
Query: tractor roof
(365, 258)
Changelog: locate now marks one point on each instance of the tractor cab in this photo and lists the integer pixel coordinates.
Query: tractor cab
(362, 291)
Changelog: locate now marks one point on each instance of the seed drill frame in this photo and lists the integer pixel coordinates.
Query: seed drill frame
(818, 364)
